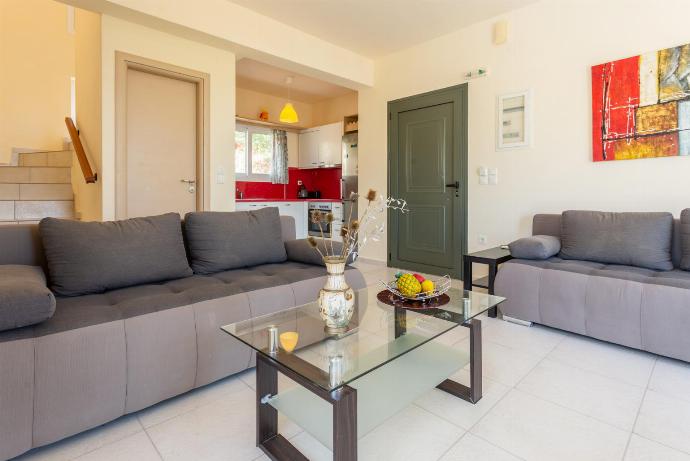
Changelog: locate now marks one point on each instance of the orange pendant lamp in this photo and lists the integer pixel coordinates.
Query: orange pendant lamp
(288, 114)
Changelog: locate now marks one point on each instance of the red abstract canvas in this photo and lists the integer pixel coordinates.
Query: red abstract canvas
(641, 106)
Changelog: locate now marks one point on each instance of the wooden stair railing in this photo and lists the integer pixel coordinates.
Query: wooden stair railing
(89, 175)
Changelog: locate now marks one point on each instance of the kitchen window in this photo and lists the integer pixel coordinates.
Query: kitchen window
(253, 153)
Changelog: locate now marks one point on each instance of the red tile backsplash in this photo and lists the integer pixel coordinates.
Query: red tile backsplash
(325, 180)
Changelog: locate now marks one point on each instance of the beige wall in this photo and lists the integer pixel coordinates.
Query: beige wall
(333, 110)
(249, 103)
(552, 46)
(225, 24)
(119, 35)
(87, 197)
(36, 63)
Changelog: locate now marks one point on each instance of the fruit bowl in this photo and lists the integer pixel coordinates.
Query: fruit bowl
(441, 286)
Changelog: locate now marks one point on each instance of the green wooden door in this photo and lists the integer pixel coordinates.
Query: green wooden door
(427, 159)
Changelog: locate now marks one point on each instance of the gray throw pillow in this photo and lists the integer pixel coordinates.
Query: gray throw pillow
(631, 239)
(300, 251)
(220, 241)
(92, 257)
(685, 239)
(24, 297)
(535, 247)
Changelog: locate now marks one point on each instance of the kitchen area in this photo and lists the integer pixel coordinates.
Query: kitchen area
(323, 183)
(322, 157)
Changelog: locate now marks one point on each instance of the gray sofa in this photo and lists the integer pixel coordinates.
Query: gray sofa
(639, 307)
(107, 354)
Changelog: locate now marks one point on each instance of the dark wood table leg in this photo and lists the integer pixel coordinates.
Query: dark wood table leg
(473, 393)
(344, 402)
(493, 269)
(467, 273)
(273, 444)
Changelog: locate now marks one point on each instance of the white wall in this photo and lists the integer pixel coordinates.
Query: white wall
(224, 24)
(87, 70)
(249, 103)
(552, 46)
(119, 35)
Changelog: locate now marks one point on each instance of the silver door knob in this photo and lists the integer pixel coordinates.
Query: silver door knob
(191, 185)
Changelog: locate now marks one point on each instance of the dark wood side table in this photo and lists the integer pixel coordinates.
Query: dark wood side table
(493, 257)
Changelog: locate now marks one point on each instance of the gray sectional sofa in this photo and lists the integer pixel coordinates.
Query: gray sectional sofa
(618, 277)
(115, 351)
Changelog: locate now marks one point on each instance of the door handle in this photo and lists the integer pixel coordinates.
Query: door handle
(188, 181)
(456, 185)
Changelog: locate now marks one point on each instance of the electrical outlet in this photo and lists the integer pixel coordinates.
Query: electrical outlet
(483, 239)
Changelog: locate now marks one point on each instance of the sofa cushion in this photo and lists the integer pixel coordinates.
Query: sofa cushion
(123, 303)
(92, 257)
(631, 239)
(685, 239)
(220, 241)
(535, 247)
(24, 297)
(300, 251)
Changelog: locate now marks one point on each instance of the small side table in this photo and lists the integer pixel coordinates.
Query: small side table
(493, 257)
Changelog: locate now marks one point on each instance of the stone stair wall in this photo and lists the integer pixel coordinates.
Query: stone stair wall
(38, 187)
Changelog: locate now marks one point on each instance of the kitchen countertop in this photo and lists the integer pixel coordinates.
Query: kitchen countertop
(288, 200)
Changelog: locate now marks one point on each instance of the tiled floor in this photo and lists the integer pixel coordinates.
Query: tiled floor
(548, 395)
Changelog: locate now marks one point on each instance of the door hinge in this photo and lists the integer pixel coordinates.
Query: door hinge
(390, 256)
(390, 116)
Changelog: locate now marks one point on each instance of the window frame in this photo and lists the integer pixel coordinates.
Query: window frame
(250, 175)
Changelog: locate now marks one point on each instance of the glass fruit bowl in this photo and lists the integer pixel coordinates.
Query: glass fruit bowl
(441, 286)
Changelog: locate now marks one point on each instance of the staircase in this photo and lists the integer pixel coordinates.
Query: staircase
(40, 185)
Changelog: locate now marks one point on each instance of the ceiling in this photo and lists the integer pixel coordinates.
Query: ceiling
(264, 78)
(378, 27)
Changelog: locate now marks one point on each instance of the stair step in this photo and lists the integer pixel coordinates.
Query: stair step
(45, 192)
(35, 175)
(61, 158)
(34, 210)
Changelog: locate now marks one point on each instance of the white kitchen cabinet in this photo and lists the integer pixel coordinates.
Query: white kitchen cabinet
(321, 146)
(309, 148)
(298, 210)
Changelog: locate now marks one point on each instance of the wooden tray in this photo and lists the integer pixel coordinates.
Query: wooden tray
(387, 297)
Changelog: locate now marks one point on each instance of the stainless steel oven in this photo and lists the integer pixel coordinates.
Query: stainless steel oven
(313, 228)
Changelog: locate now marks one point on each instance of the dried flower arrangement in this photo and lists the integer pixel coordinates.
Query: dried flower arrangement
(356, 233)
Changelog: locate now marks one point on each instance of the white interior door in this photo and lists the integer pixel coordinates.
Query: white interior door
(161, 124)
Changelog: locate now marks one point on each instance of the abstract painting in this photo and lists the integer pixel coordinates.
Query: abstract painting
(641, 106)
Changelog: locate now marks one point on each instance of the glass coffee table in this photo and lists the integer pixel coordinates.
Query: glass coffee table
(351, 382)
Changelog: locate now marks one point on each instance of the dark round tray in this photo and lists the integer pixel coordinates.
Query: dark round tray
(387, 297)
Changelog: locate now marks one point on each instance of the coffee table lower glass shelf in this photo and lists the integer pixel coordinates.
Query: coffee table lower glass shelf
(351, 383)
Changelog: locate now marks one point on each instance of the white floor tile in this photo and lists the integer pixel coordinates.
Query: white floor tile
(592, 394)
(86, 442)
(536, 340)
(223, 429)
(411, 435)
(671, 377)
(641, 449)
(458, 411)
(535, 429)
(628, 365)
(472, 448)
(186, 402)
(137, 446)
(504, 364)
(665, 420)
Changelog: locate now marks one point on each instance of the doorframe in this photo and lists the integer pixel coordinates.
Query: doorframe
(458, 95)
(123, 63)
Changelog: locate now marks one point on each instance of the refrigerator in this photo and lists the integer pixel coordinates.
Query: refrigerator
(348, 182)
